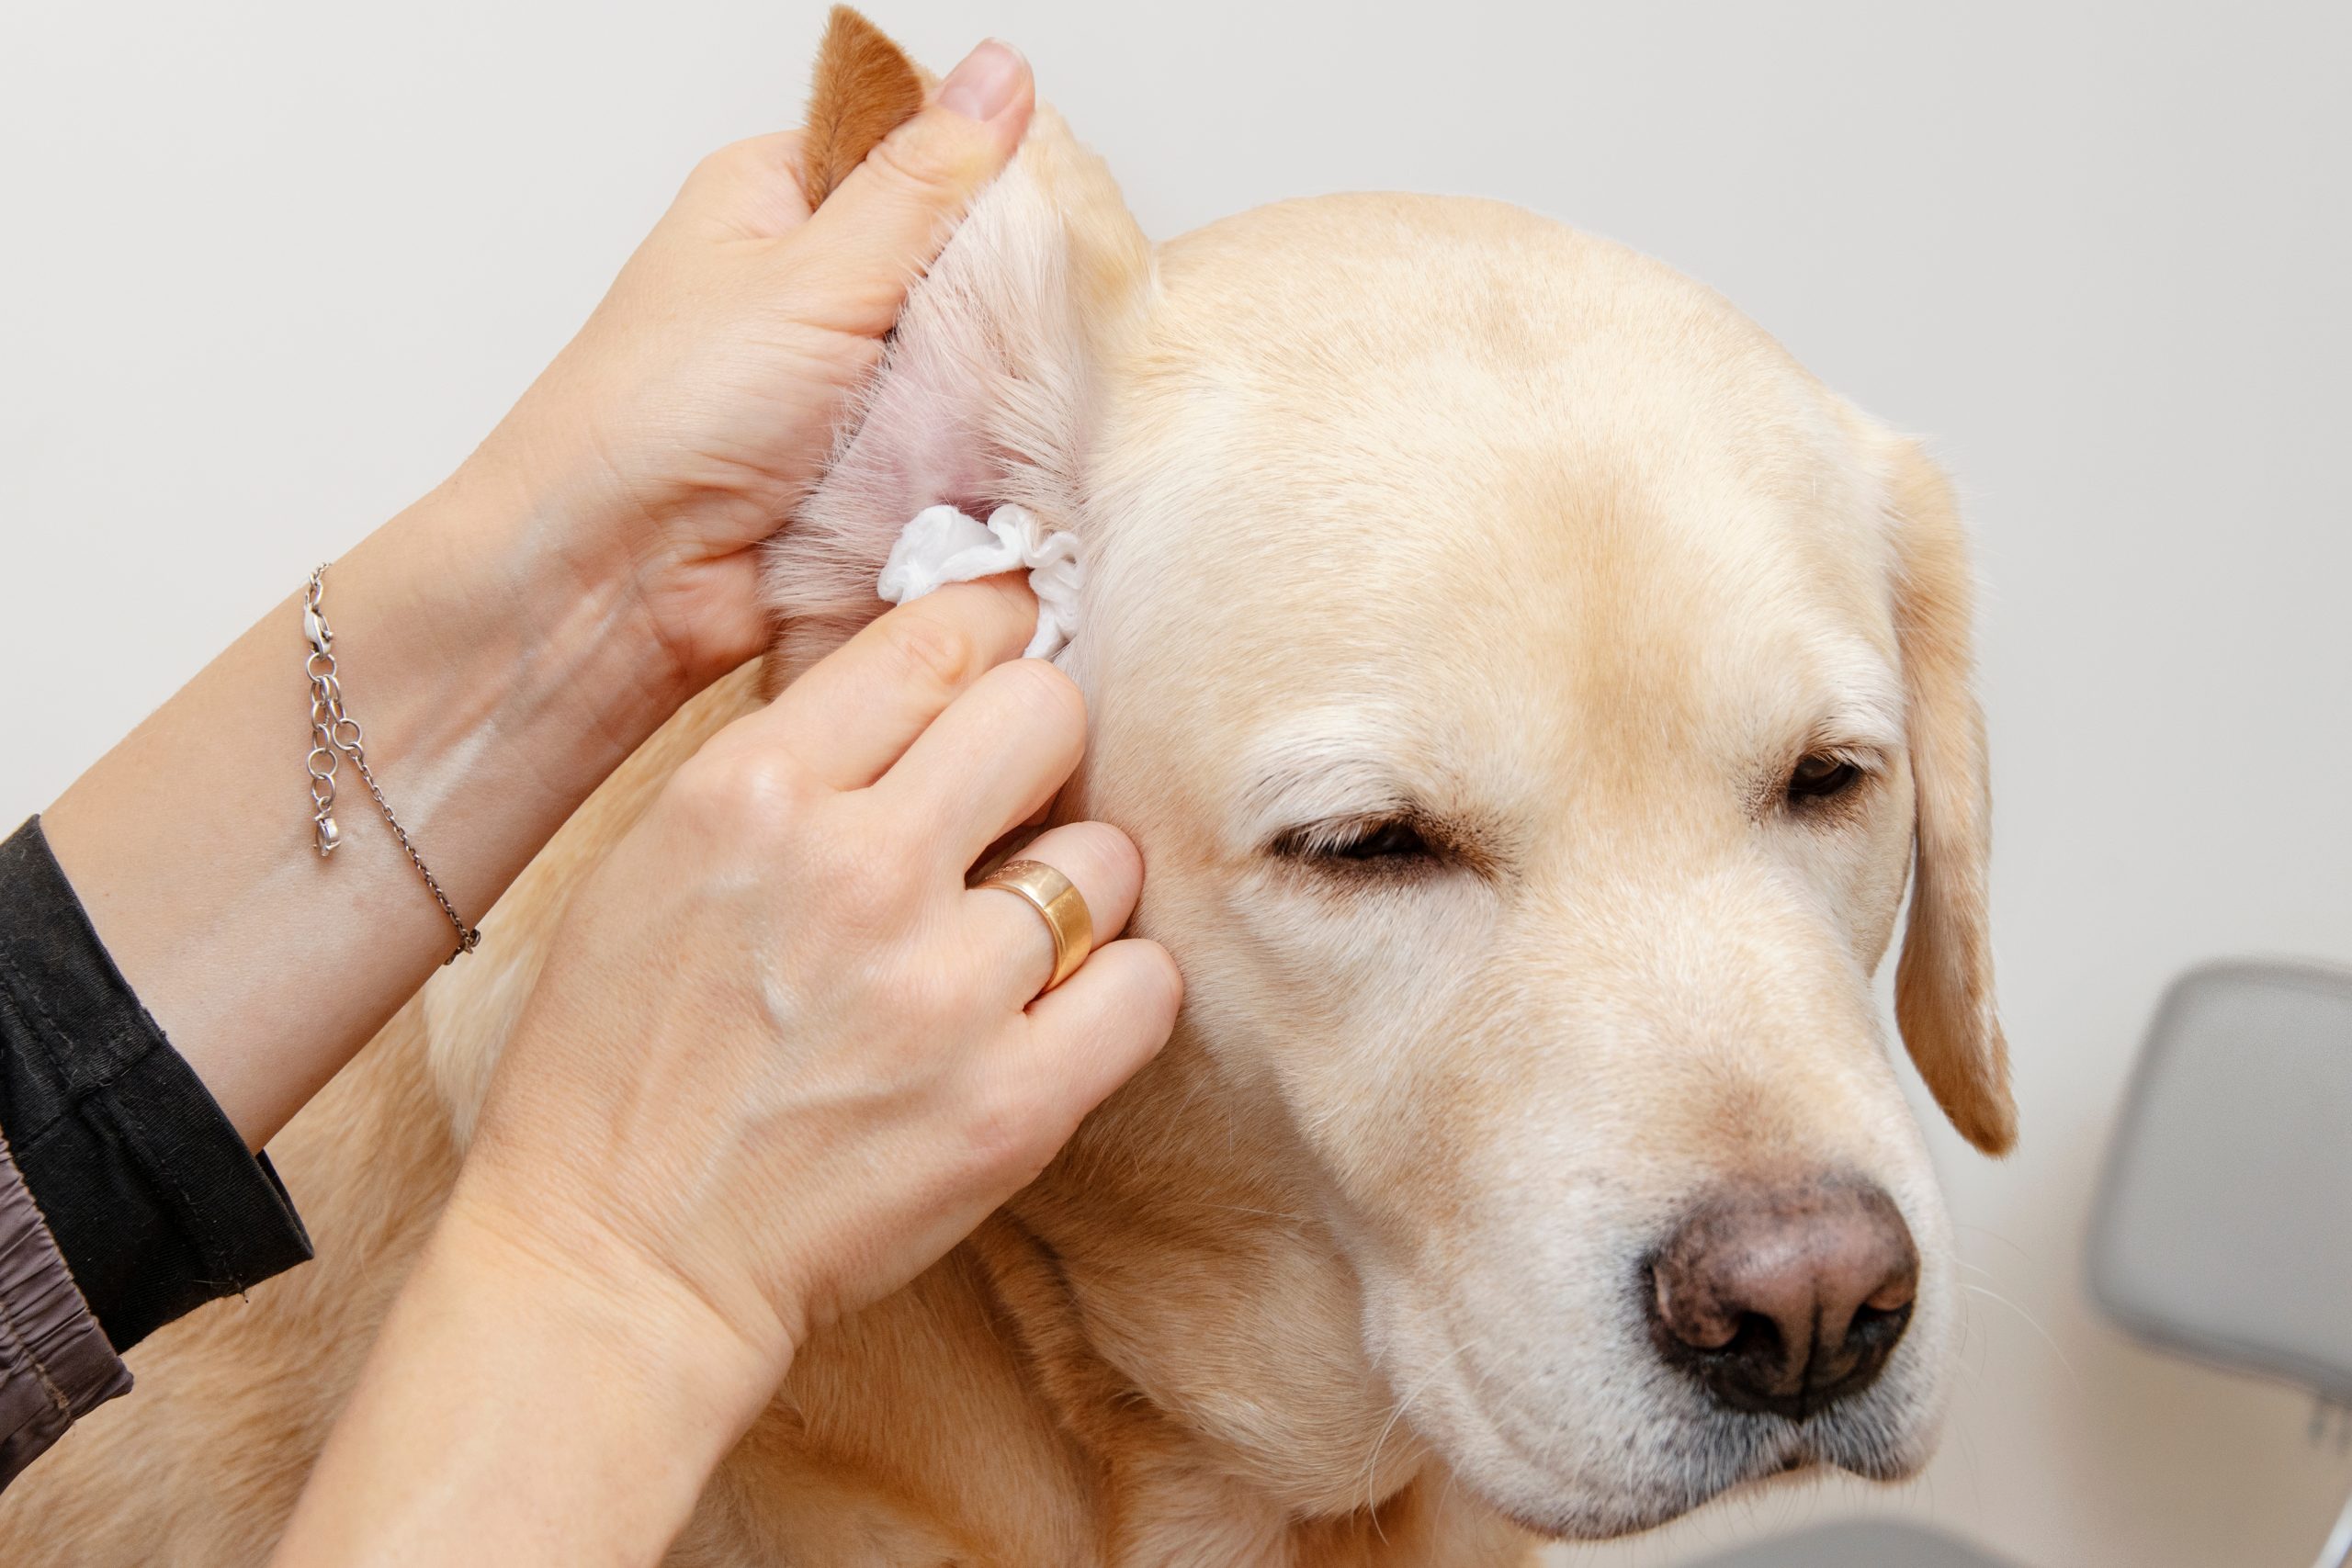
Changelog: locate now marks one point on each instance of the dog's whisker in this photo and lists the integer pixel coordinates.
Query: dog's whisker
(2024, 1256)
(1396, 1413)
(2031, 1322)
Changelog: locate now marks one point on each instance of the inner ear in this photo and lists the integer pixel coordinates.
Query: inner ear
(985, 395)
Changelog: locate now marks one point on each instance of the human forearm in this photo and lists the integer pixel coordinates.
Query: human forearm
(519, 1409)
(507, 640)
(499, 673)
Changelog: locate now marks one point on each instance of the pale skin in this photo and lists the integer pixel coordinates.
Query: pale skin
(784, 1058)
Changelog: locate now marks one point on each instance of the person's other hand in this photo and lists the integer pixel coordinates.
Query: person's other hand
(782, 1058)
(701, 399)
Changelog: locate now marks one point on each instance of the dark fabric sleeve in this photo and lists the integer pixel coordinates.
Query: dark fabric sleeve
(151, 1194)
(55, 1364)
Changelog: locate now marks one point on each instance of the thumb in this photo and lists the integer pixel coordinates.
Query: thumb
(879, 231)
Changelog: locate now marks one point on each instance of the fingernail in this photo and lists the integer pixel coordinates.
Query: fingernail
(984, 82)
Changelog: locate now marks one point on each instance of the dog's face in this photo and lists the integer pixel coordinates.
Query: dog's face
(1493, 649)
(1528, 688)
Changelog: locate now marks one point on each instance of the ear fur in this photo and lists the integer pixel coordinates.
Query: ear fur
(1943, 990)
(985, 395)
(865, 88)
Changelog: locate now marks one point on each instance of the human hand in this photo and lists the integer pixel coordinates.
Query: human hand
(782, 1058)
(679, 428)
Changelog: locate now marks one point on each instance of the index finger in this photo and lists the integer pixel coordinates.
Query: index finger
(857, 709)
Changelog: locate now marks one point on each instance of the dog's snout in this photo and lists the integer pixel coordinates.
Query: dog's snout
(1786, 1300)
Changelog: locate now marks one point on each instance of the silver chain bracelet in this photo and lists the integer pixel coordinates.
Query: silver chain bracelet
(335, 735)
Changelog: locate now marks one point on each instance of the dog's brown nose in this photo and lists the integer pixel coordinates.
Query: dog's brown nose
(1786, 1300)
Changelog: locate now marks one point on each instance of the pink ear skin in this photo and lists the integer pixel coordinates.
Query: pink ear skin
(1944, 1001)
(982, 395)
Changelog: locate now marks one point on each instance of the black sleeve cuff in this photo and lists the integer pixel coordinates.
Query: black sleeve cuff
(151, 1195)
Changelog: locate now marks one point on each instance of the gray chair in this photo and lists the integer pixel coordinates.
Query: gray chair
(2224, 1225)
(1858, 1543)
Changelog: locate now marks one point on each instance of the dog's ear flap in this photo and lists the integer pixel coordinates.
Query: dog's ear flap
(986, 390)
(1944, 988)
(865, 87)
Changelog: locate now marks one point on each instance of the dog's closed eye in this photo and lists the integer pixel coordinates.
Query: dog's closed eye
(1394, 840)
(1367, 844)
(1828, 784)
(1821, 775)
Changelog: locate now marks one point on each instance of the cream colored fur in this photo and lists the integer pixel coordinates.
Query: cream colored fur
(1392, 501)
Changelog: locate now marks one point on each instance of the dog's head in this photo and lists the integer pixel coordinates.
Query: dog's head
(1530, 690)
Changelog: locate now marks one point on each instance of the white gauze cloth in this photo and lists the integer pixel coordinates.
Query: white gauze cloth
(944, 546)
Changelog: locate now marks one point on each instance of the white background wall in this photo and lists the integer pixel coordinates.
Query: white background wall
(267, 269)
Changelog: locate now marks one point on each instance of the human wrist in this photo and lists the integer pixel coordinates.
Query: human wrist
(679, 1369)
(581, 1240)
(499, 671)
(494, 685)
(515, 1409)
(530, 589)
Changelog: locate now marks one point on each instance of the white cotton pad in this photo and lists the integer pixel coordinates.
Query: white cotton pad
(944, 546)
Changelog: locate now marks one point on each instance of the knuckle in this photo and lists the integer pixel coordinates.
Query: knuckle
(867, 865)
(723, 165)
(944, 1004)
(931, 650)
(861, 877)
(915, 161)
(1164, 979)
(745, 791)
(1111, 850)
(1050, 697)
(1005, 1131)
(701, 793)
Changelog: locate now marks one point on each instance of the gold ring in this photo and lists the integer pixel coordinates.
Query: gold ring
(1055, 897)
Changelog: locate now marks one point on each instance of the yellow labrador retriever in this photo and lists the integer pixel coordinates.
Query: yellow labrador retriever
(1530, 690)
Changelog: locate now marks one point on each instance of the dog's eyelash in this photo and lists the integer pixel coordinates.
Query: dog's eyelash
(1823, 776)
(1369, 843)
